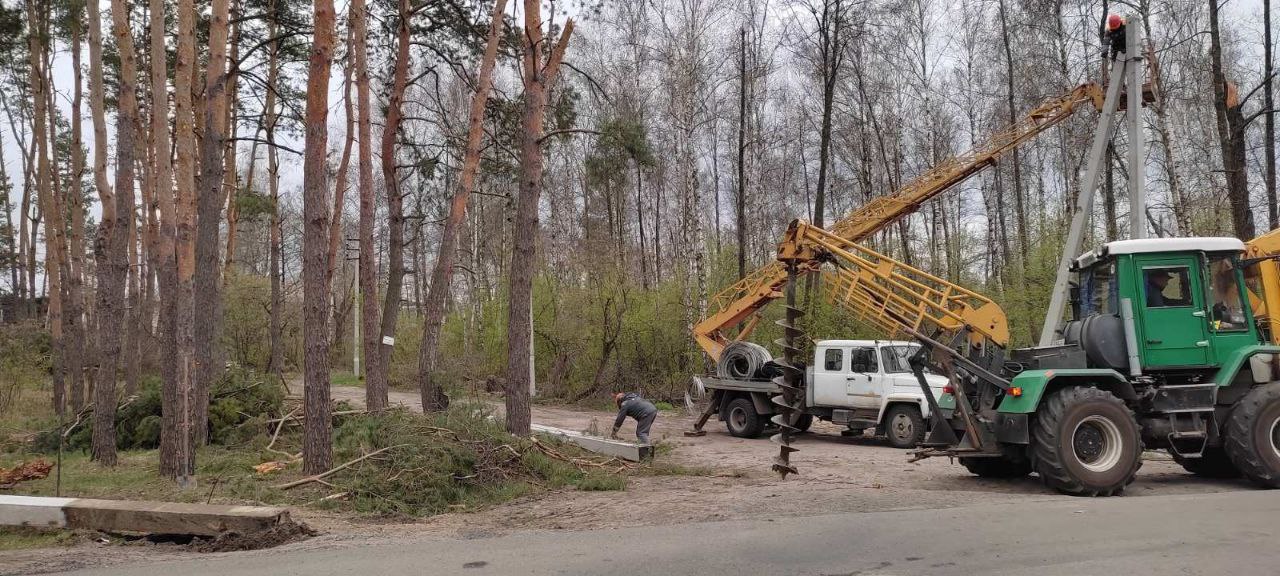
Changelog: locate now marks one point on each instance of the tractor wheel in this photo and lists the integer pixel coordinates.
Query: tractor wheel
(804, 422)
(742, 420)
(1086, 443)
(1214, 463)
(903, 426)
(1253, 435)
(1002, 467)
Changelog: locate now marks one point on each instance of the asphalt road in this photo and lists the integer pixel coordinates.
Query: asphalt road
(1228, 533)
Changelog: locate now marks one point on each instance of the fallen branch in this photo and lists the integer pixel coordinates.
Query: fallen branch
(338, 413)
(335, 470)
(276, 434)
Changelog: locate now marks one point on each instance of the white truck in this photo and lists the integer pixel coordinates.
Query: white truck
(858, 384)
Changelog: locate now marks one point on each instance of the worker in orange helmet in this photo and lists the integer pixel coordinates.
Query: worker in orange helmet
(1114, 36)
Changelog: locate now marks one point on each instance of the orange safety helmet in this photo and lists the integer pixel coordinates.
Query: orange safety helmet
(1114, 22)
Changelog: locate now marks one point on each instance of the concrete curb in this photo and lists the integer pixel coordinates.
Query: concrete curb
(616, 448)
(141, 517)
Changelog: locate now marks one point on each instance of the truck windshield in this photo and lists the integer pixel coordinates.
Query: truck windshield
(895, 359)
(1098, 290)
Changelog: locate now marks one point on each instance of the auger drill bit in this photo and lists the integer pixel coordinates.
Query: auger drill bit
(790, 402)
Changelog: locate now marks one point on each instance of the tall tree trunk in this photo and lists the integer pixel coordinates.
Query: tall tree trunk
(55, 238)
(273, 182)
(377, 396)
(341, 180)
(740, 206)
(171, 393)
(111, 249)
(1020, 210)
(1269, 119)
(181, 463)
(208, 312)
(74, 266)
(433, 396)
(37, 31)
(375, 377)
(537, 81)
(1231, 127)
(230, 178)
(317, 449)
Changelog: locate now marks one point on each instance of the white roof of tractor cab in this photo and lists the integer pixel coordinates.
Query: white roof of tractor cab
(1147, 245)
(862, 343)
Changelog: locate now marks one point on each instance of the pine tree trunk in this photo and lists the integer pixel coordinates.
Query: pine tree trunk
(377, 397)
(171, 392)
(524, 249)
(317, 449)
(180, 464)
(111, 249)
(374, 374)
(74, 266)
(37, 26)
(208, 311)
(1231, 126)
(273, 175)
(433, 396)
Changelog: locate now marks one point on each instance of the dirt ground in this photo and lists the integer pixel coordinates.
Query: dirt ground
(734, 481)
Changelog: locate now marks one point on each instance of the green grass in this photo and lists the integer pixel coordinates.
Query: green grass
(345, 379)
(19, 538)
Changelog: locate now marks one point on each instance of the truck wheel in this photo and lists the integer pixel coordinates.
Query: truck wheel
(1086, 443)
(903, 426)
(1253, 435)
(804, 422)
(1001, 467)
(742, 420)
(1214, 463)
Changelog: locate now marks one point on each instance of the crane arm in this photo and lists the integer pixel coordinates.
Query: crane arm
(1263, 280)
(893, 296)
(740, 301)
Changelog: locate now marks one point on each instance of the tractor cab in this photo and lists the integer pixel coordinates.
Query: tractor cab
(1166, 304)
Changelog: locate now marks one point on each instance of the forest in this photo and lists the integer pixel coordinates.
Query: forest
(450, 196)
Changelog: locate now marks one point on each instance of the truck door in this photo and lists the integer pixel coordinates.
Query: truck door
(829, 377)
(864, 381)
(1174, 329)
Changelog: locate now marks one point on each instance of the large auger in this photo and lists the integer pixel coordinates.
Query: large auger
(791, 401)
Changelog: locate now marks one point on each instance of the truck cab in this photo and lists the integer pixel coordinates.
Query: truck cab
(857, 384)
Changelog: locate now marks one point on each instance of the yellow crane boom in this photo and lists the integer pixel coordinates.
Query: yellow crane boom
(741, 301)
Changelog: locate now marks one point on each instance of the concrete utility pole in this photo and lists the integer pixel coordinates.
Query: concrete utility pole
(1137, 142)
(1126, 69)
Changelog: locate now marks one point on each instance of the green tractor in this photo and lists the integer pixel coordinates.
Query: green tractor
(1163, 352)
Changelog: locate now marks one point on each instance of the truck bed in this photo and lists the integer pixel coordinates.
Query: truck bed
(711, 382)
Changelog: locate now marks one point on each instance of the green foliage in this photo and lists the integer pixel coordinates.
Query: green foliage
(252, 205)
(246, 323)
(456, 459)
(240, 402)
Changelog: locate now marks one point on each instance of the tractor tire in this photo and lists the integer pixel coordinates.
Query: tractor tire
(997, 467)
(742, 420)
(804, 422)
(1214, 463)
(903, 426)
(1086, 442)
(1253, 435)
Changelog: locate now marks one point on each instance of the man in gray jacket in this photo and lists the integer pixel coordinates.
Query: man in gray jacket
(644, 412)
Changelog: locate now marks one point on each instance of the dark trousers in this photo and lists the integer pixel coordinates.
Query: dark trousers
(643, 425)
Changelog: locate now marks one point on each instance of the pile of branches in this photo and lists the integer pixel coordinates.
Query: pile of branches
(410, 464)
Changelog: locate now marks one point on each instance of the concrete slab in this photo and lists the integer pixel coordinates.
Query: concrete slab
(33, 511)
(616, 448)
(140, 517)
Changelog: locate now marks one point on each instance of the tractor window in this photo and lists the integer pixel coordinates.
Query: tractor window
(1224, 293)
(1098, 294)
(1167, 287)
(863, 360)
(833, 360)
